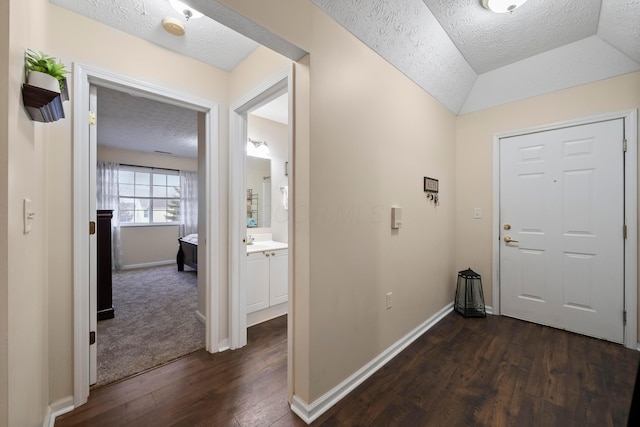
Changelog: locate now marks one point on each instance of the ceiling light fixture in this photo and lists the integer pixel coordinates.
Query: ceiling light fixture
(502, 6)
(187, 11)
(257, 149)
(173, 26)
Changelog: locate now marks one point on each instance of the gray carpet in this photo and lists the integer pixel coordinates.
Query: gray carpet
(154, 321)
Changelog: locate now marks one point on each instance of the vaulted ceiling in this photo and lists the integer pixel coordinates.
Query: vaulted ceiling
(465, 56)
(470, 58)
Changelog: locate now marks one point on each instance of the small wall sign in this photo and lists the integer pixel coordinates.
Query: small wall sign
(430, 185)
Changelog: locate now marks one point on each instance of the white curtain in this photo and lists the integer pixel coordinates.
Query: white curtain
(188, 202)
(107, 198)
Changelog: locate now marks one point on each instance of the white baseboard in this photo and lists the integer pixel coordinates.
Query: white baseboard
(638, 347)
(201, 317)
(488, 309)
(267, 314)
(57, 408)
(310, 412)
(224, 345)
(149, 264)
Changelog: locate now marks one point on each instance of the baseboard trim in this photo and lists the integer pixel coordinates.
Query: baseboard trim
(201, 317)
(57, 408)
(267, 314)
(310, 412)
(224, 345)
(488, 309)
(149, 264)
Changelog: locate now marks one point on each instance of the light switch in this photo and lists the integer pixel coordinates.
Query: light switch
(28, 215)
(396, 217)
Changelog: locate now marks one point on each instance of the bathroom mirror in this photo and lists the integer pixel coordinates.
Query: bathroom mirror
(258, 195)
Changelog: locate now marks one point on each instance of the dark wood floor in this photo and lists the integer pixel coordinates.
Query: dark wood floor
(463, 372)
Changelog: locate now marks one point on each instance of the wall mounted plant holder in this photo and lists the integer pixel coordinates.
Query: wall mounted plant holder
(46, 87)
(44, 105)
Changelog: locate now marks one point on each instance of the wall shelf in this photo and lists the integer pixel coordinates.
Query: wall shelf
(43, 105)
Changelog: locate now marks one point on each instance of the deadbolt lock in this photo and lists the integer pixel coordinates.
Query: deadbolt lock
(507, 227)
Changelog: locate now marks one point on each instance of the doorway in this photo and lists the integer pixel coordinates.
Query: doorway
(277, 86)
(564, 213)
(84, 77)
(147, 180)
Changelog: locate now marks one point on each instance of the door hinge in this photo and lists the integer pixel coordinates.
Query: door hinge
(624, 145)
(92, 337)
(624, 231)
(92, 118)
(92, 228)
(624, 317)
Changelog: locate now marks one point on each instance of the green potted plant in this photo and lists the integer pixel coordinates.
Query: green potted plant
(45, 71)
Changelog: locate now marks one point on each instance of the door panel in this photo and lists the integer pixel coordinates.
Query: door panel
(562, 194)
(93, 249)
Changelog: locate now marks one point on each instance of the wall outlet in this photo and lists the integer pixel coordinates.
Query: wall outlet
(389, 300)
(477, 213)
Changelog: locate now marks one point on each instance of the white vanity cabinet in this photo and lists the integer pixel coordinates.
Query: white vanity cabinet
(257, 282)
(267, 281)
(278, 283)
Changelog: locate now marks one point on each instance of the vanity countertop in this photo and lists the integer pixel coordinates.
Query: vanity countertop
(267, 245)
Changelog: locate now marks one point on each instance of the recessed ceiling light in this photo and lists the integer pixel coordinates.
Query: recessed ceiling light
(173, 26)
(502, 6)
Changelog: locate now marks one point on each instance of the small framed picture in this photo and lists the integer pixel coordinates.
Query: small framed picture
(430, 185)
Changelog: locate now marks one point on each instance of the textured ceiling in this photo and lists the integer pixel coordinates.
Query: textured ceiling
(490, 40)
(470, 58)
(134, 123)
(463, 55)
(205, 39)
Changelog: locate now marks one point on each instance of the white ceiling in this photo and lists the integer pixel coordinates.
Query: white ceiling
(465, 56)
(470, 58)
(205, 39)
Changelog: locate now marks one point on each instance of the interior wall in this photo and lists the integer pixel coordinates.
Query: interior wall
(475, 131)
(114, 51)
(24, 158)
(277, 136)
(4, 211)
(151, 160)
(372, 137)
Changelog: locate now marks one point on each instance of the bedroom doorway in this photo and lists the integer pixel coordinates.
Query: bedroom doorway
(147, 179)
(84, 156)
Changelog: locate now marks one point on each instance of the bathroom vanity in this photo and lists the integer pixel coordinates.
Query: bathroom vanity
(267, 280)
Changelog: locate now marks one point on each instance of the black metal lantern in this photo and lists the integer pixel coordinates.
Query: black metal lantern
(469, 296)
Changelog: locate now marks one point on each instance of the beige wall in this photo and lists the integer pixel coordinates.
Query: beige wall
(25, 147)
(5, 82)
(277, 137)
(475, 150)
(117, 52)
(151, 160)
(374, 136)
(365, 138)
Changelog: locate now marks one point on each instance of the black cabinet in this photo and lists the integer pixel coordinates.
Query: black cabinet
(103, 231)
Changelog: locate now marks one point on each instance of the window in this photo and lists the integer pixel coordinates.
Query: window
(148, 196)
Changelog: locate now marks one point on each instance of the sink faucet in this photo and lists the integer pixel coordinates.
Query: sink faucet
(250, 239)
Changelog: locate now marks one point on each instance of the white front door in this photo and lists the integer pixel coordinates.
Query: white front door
(562, 205)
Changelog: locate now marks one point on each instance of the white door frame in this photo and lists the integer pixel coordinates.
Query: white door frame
(84, 76)
(630, 118)
(277, 85)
